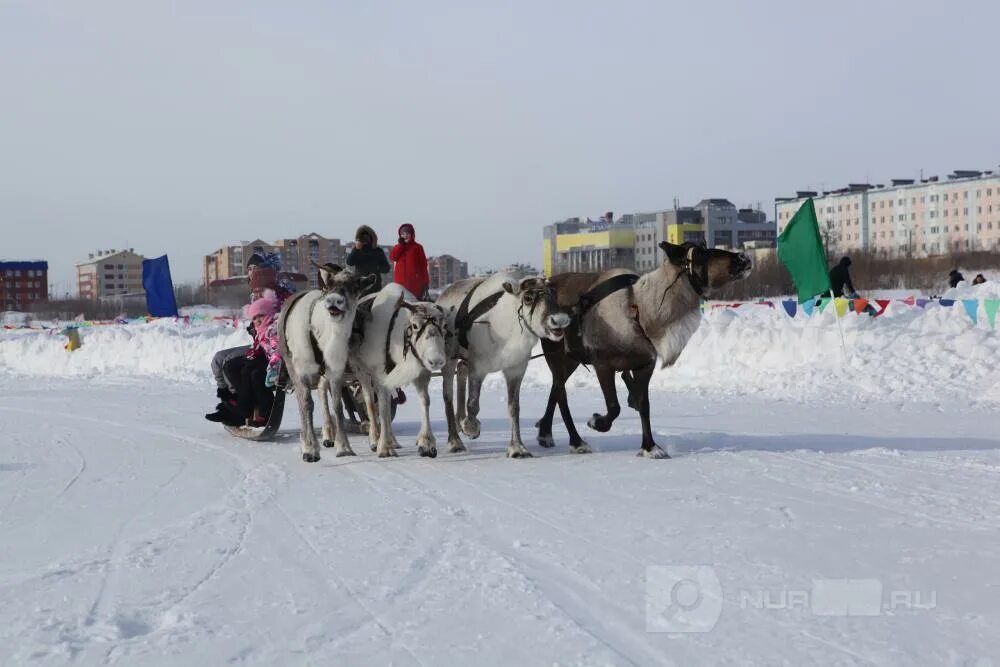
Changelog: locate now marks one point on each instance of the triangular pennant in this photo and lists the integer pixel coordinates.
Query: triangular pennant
(882, 305)
(990, 305)
(823, 303)
(841, 305)
(947, 303)
(972, 308)
(808, 307)
(860, 305)
(922, 303)
(909, 301)
(790, 306)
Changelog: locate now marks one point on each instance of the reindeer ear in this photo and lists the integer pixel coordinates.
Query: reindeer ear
(321, 279)
(509, 288)
(676, 254)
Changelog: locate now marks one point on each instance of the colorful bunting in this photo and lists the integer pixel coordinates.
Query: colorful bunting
(841, 305)
(808, 307)
(947, 303)
(790, 307)
(972, 308)
(922, 303)
(822, 303)
(860, 305)
(990, 305)
(882, 305)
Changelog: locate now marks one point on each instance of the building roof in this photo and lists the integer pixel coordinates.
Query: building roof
(103, 258)
(24, 265)
(715, 202)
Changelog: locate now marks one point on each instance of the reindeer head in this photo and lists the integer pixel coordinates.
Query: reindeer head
(341, 290)
(425, 334)
(538, 310)
(707, 268)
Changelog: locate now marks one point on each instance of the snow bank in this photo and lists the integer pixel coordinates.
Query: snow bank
(908, 354)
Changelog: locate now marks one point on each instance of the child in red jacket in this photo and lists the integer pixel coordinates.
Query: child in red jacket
(411, 263)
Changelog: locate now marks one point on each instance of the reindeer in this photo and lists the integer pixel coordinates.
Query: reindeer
(313, 332)
(401, 342)
(623, 322)
(496, 322)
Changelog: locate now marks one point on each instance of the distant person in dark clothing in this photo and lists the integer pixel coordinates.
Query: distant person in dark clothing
(840, 278)
(979, 279)
(367, 259)
(954, 278)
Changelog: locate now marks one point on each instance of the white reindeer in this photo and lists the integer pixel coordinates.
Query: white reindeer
(314, 331)
(402, 343)
(497, 322)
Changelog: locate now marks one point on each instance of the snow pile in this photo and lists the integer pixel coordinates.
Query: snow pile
(908, 354)
(162, 348)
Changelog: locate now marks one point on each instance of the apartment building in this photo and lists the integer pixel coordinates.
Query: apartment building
(921, 217)
(110, 273)
(23, 283)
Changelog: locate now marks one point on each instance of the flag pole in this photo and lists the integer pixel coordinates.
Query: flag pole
(840, 326)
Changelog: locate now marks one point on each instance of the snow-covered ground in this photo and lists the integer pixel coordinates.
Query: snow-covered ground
(815, 512)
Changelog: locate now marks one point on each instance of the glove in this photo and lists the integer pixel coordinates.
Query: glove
(252, 331)
(271, 377)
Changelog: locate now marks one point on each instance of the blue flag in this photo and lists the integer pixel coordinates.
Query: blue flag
(159, 288)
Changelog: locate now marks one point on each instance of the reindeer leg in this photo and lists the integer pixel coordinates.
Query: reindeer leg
(455, 443)
(641, 383)
(470, 425)
(324, 402)
(341, 444)
(368, 392)
(385, 442)
(576, 443)
(555, 358)
(516, 448)
(460, 399)
(602, 423)
(426, 444)
(310, 451)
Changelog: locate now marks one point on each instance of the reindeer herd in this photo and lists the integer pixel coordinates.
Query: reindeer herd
(616, 321)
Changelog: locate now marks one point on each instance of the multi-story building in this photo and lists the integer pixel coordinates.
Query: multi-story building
(110, 273)
(729, 227)
(574, 245)
(23, 283)
(909, 217)
(445, 270)
(296, 254)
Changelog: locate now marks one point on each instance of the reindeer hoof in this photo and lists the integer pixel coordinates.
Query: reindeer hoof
(581, 448)
(600, 423)
(518, 454)
(346, 452)
(654, 452)
(546, 441)
(457, 447)
(310, 458)
(386, 452)
(429, 451)
(471, 427)
(329, 443)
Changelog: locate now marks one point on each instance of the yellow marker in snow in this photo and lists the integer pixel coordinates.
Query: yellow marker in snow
(74, 339)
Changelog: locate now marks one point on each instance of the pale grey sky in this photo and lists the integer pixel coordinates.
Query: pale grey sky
(179, 127)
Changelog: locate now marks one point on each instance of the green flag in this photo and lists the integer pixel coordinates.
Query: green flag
(800, 249)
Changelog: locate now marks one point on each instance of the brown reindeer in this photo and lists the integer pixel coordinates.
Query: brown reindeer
(622, 323)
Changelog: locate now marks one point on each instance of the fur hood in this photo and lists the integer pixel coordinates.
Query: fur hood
(366, 229)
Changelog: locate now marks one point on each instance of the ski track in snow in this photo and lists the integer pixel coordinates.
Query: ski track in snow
(139, 537)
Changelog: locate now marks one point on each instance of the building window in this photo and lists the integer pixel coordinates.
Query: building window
(946, 213)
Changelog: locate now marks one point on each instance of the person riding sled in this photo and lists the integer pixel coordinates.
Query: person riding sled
(367, 259)
(264, 279)
(254, 374)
